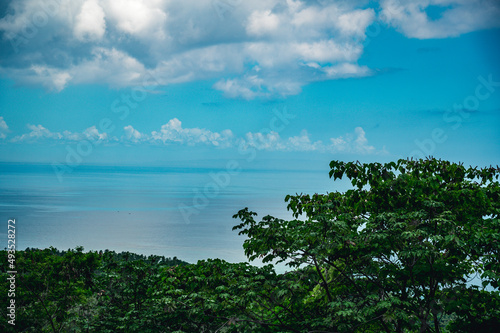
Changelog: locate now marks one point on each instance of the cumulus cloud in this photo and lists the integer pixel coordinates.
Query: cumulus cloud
(263, 141)
(90, 23)
(4, 129)
(58, 43)
(173, 133)
(40, 133)
(247, 87)
(53, 79)
(92, 133)
(262, 22)
(120, 43)
(457, 17)
(109, 65)
(142, 19)
(132, 135)
(302, 142)
(353, 143)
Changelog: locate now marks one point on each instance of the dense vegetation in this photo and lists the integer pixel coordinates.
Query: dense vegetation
(393, 254)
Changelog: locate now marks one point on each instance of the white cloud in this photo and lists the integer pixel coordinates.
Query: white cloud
(93, 134)
(327, 51)
(458, 17)
(90, 23)
(51, 78)
(262, 22)
(352, 143)
(355, 22)
(319, 20)
(132, 135)
(302, 142)
(115, 67)
(29, 15)
(111, 66)
(4, 129)
(144, 19)
(173, 132)
(346, 70)
(261, 141)
(247, 88)
(120, 42)
(40, 133)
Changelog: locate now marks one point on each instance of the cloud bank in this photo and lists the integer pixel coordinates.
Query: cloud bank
(41, 134)
(173, 133)
(248, 48)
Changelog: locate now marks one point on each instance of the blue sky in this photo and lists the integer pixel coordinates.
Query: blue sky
(275, 84)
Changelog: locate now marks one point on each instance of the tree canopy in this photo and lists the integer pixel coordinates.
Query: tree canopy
(395, 253)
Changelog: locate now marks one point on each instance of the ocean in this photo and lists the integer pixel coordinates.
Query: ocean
(181, 212)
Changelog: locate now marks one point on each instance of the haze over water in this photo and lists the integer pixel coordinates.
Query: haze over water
(140, 209)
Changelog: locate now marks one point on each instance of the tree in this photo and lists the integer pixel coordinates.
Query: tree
(396, 252)
(48, 285)
(127, 295)
(217, 296)
(74, 291)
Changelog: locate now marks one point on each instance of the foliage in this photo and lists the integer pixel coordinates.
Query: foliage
(62, 291)
(48, 283)
(393, 252)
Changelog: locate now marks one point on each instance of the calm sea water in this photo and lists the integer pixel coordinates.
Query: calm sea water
(171, 212)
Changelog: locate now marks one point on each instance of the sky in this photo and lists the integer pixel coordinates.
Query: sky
(275, 84)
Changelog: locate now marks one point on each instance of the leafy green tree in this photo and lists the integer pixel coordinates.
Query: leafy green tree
(217, 296)
(394, 253)
(73, 291)
(126, 297)
(48, 284)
